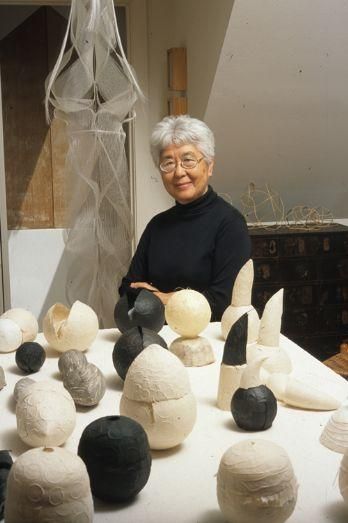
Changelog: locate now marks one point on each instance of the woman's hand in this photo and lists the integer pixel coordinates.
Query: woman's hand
(163, 296)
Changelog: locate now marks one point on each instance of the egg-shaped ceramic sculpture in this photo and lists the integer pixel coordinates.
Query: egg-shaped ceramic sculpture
(48, 484)
(157, 394)
(343, 477)
(25, 320)
(6, 463)
(241, 304)
(117, 455)
(193, 352)
(21, 387)
(188, 313)
(129, 346)
(46, 414)
(84, 381)
(30, 356)
(256, 483)
(139, 309)
(335, 433)
(10, 335)
(74, 328)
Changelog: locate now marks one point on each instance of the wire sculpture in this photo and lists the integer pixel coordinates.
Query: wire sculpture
(303, 217)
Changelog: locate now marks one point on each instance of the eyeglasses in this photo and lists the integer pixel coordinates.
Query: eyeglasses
(169, 166)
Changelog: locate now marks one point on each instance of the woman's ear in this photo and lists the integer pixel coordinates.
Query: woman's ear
(210, 168)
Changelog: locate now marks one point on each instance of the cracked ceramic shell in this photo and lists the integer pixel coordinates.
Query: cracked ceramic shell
(256, 482)
(25, 320)
(335, 433)
(10, 335)
(83, 380)
(74, 328)
(48, 484)
(158, 395)
(193, 352)
(188, 313)
(46, 414)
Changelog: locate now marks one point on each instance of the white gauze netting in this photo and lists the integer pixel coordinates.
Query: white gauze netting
(93, 89)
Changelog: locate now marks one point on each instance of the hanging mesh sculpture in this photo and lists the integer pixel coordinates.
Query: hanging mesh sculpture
(93, 89)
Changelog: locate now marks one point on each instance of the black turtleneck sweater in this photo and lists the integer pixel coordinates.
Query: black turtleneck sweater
(200, 245)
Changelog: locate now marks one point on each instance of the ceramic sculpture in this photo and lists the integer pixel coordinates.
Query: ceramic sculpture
(30, 356)
(299, 394)
(74, 328)
(253, 405)
(233, 362)
(21, 387)
(343, 477)
(335, 433)
(139, 309)
(157, 394)
(84, 381)
(241, 304)
(6, 463)
(129, 346)
(48, 484)
(2, 378)
(268, 339)
(10, 335)
(256, 483)
(117, 455)
(25, 320)
(188, 313)
(46, 414)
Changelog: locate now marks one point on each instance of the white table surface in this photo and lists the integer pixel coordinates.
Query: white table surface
(182, 483)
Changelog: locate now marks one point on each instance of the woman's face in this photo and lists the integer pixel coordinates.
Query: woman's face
(185, 185)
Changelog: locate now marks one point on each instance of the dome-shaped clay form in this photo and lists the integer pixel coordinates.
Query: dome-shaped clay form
(21, 387)
(6, 463)
(48, 484)
(158, 395)
(129, 346)
(46, 414)
(117, 455)
(343, 478)
(30, 356)
(335, 433)
(188, 313)
(84, 381)
(2, 378)
(74, 328)
(139, 309)
(193, 352)
(256, 483)
(25, 320)
(10, 335)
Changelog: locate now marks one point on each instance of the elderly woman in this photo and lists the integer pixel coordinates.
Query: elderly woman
(202, 242)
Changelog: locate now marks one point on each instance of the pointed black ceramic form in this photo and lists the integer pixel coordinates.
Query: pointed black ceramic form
(130, 345)
(254, 408)
(236, 343)
(116, 452)
(141, 309)
(5, 465)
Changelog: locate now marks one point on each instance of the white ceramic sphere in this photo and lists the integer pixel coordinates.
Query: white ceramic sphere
(26, 322)
(256, 483)
(10, 335)
(343, 477)
(158, 395)
(46, 414)
(74, 328)
(48, 484)
(188, 313)
(232, 314)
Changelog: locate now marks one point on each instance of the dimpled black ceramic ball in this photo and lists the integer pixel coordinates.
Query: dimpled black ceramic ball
(30, 357)
(142, 309)
(116, 452)
(129, 346)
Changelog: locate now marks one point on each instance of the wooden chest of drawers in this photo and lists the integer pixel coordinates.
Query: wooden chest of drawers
(312, 267)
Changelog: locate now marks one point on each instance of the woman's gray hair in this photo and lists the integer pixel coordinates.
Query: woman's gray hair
(182, 130)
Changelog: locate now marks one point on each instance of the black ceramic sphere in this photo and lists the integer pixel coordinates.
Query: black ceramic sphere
(5, 465)
(141, 309)
(116, 452)
(129, 346)
(254, 408)
(30, 357)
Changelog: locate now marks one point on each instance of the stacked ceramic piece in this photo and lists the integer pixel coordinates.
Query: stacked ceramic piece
(335, 433)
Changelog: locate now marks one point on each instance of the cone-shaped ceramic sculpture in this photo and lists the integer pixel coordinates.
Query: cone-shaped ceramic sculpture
(335, 433)
(10, 335)
(268, 339)
(193, 352)
(157, 394)
(74, 328)
(256, 483)
(233, 362)
(253, 404)
(343, 477)
(241, 303)
(25, 320)
(48, 484)
(299, 394)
